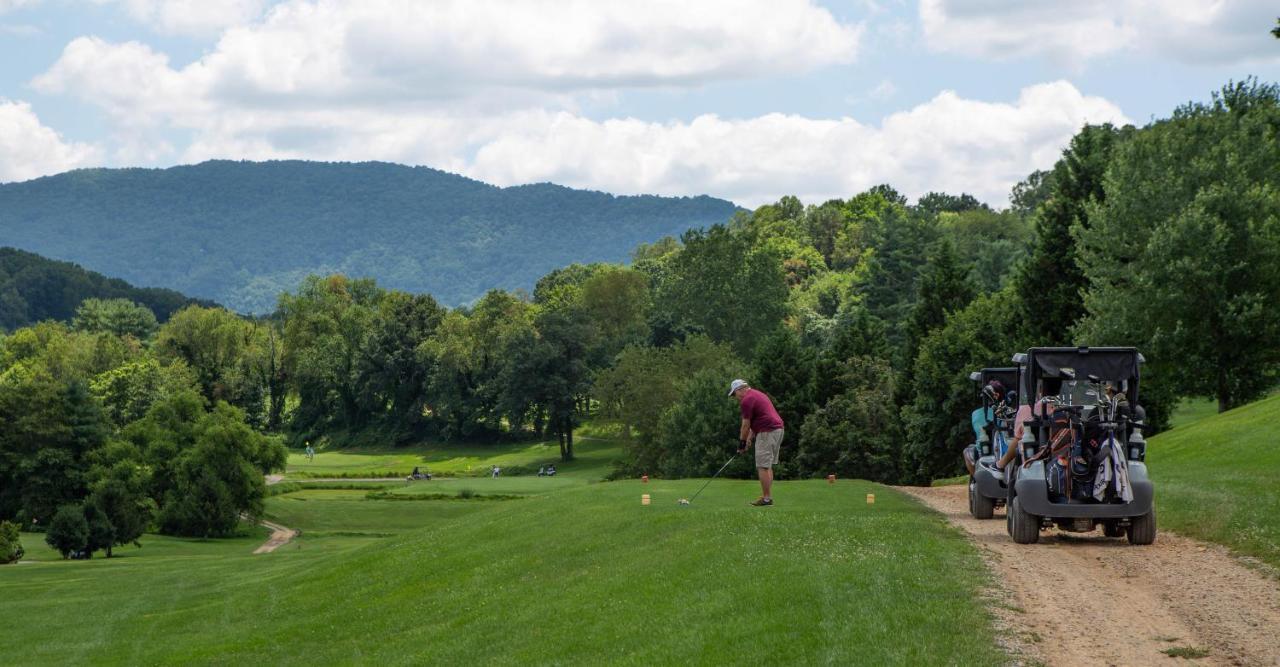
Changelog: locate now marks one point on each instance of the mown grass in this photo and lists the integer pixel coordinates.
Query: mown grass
(578, 574)
(1216, 479)
(451, 460)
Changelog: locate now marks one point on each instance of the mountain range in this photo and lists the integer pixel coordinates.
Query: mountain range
(240, 233)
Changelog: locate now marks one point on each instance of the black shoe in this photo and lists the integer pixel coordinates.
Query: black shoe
(763, 502)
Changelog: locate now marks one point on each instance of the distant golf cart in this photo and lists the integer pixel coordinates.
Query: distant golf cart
(1081, 458)
(987, 489)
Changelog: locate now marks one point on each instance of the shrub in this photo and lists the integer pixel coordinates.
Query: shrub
(68, 533)
(10, 543)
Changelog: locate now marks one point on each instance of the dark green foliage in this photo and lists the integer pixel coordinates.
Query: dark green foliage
(890, 287)
(857, 432)
(1028, 195)
(1051, 283)
(392, 369)
(719, 284)
(120, 497)
(50, 430)
(218, 477)
(646, 381)
(33, 288)
(943, 288)
(241, 233)
(102, 533)
(10, 543)
(1184, 255)
(785, 370)
(68, 531)
(857, 333)
(934, 203)
(699, 432)
(936, 416)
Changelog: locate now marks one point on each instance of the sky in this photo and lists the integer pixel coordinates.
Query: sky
(748, 100)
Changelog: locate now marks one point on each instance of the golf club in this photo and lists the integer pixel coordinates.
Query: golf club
(684, 501)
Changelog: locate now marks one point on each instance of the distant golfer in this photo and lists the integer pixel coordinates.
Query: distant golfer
(761, 424)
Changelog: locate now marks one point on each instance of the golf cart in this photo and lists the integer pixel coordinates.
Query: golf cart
(987, 489)
(1081, 457)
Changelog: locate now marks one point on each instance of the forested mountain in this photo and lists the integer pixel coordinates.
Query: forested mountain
(242, 232)
(34, 288)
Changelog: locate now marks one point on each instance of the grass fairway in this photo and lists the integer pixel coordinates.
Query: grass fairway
(594, 456)
(579, 573)
(1216, 479)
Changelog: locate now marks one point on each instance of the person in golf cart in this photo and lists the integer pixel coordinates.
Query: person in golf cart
(1031, 410)
(996, 400)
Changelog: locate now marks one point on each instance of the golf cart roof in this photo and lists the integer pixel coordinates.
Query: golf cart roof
(1115, 364)
(1007, 376)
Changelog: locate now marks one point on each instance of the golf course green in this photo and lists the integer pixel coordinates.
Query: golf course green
(561, 570)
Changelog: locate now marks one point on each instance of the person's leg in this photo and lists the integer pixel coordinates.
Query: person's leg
(766, 482)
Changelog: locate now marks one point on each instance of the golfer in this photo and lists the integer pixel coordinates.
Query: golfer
(761, 424)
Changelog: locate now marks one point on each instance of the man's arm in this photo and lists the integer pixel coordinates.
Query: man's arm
(744, 433)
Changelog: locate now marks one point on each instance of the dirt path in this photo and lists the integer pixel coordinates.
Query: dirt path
(1084, 599)
(280, 536)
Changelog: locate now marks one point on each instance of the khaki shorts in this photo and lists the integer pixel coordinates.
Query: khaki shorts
(768, 448)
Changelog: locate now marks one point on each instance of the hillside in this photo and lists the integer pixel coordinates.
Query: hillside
(241, 232)
(35, 288)
(1216, 479)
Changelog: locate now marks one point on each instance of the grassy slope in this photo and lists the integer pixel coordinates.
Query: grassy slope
(581, 573)
(1217, 479)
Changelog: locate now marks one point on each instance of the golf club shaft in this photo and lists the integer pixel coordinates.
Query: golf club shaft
(726, 465)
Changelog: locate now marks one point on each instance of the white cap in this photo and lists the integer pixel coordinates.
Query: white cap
(736, 385)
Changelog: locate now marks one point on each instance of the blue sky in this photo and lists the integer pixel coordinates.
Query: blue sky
(742, 99)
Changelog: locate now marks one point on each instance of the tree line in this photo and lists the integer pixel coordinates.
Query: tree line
(861, 317)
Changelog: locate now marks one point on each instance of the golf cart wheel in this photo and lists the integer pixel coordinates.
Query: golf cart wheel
(1025, 527)
(1143, 528)
(980, 506)
(1113, 529)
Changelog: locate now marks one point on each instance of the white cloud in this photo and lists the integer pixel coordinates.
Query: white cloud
(492, 89)
(397, 51)
(948, 143)
(199, 18)
(1072, 33)
(29, 149)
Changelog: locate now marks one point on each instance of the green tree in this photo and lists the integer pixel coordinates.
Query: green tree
(941, 398)
(1183, 257)
(393, 371)
(943, 288)
(119, 495)
(700, 430)
(129, 390)
(120, 317)
(1051, 283)
(50, 432)
(857, 433)
(325, 325)
(719, 284)
(616, 301)
(220, 477)
(217, 345)
(68, 532)
(785, 371)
